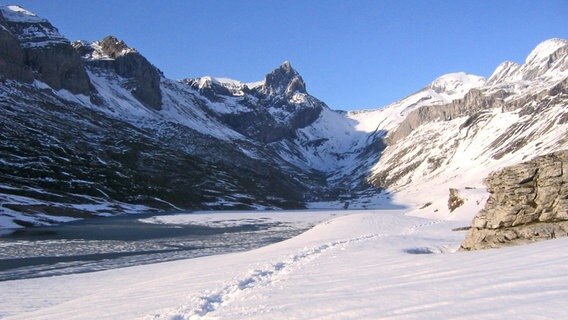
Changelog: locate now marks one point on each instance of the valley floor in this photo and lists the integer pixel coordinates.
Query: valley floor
(364, 265)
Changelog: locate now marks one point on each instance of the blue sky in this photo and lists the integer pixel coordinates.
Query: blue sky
(351, 54)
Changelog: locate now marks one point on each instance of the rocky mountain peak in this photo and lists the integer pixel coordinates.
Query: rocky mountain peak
(109, 48)
(114, 47)
(283, 80)
(113, 54)
(16, 13)
(547, 62)
(31, 44)
(548, 59)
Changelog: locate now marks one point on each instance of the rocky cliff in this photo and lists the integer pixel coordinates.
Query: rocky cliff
(528, 202)
(114, 55)
(12, 58)
(41, 48)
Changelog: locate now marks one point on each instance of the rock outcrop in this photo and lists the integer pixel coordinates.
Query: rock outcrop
(45, 51)
(12, 57)
(528, 202)
(115, 55)
(454, 201)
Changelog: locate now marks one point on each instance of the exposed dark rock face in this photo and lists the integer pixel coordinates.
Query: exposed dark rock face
(283, 79)
(12, 57)
(528, 202)
(49, 55)
(60, 67)
(127, 63)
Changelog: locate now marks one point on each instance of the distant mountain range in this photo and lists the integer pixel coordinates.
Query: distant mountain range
(93, 128)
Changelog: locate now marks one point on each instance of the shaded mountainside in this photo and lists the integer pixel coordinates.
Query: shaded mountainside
(131, 140)
(93, 128)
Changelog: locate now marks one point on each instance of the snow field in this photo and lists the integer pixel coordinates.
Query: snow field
(365, 265)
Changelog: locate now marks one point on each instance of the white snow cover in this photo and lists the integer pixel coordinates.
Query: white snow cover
(543, 68)
(546, 48)
(36, 31)
(443, 90)
(329, 143)
(466, 164)
(178, 107)
(18, 14)
(366, 265)
(466, 155)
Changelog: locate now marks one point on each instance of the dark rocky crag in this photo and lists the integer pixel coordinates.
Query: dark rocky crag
(12, 57)
(40, 48)
(273, 113)
(528, 202)
(127, 63)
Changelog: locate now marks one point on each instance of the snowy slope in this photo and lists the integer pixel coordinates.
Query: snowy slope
(35, 31)
(518, 114)
(546, 65)
(443, 90)
(366, 265)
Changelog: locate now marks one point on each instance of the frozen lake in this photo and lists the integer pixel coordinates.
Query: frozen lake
(115, 242)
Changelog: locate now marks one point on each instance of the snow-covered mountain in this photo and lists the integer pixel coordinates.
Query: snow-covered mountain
(519, 113)
(92, 127)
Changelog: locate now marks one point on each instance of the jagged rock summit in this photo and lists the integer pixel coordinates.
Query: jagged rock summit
(549, 60)
(113, 54)
(283, 80)
(270, 110)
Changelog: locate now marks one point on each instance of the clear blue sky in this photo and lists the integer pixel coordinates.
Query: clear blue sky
(351, 54)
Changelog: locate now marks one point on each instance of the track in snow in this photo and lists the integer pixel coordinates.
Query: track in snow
(200, 307)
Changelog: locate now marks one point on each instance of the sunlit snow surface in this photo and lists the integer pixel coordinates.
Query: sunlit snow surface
(365, 265)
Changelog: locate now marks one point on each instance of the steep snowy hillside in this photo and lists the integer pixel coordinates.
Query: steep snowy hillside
(521, 112)
(443, 90)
